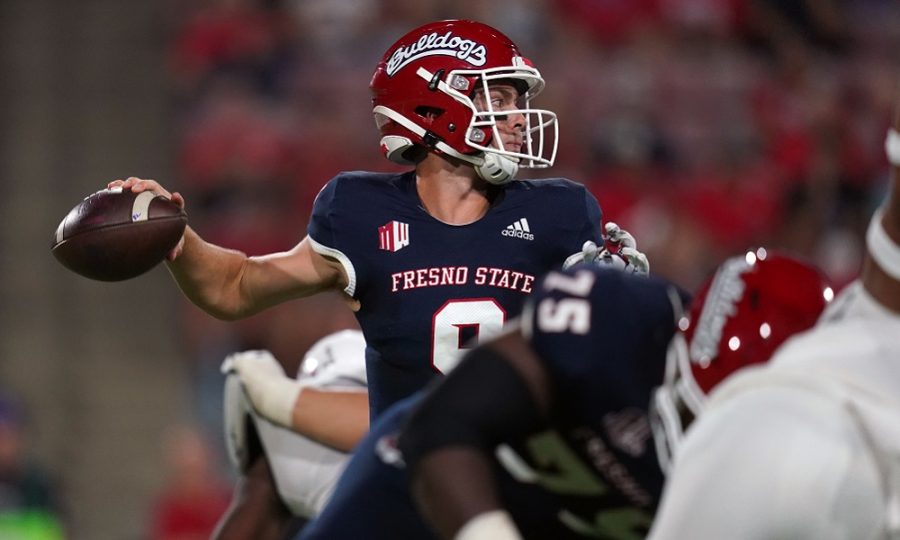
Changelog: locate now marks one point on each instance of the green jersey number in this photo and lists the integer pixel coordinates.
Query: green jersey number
(562, 471)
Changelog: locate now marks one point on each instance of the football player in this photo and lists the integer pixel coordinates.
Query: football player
(563, 402)
(807, 447)
(435, 257)
(288, 468)
(550, 420)
(286, 478)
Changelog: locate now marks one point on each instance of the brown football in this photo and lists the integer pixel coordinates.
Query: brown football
(114, 234)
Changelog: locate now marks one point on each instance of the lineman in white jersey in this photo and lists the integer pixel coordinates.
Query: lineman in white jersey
(807, 447)
(304, 455)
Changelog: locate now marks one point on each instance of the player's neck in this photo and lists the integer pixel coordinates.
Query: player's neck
(451, 192)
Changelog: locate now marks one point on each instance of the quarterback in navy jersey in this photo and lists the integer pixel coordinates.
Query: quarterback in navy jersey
(433, 260)
(427, 294)
(436, 258)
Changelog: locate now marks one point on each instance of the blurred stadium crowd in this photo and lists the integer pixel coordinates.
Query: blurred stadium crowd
(702, 126)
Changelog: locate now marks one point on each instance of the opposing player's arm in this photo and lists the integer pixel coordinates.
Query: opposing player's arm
(335, 417)
(256, 511)
(498, 392)
(228, 284)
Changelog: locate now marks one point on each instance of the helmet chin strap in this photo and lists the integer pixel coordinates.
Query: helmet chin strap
(497, 169)
(493, 168)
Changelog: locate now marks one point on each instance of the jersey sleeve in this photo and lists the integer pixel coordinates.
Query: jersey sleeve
(336, 361)
(325, 231)
(582, 221)
(587, 220)
(321, 227)
(771, 463)
(593, 219)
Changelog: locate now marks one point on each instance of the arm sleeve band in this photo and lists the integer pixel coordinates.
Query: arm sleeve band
(496, 525)
(481, 403)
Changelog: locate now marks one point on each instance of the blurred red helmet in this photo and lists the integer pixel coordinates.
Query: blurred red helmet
(741, 315)
(423, 89)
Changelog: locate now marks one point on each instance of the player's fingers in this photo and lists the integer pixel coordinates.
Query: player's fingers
(176, 251)
(131, 182)
(227, 365)
(177, 199)
(637, 260)
(626, 239)
(138, 185)
(611, 229)
(260, 361)
(589, 250)
(612, 235)
(619, 236)
(115, 183)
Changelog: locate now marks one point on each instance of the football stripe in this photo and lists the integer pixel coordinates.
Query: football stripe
(141, 207)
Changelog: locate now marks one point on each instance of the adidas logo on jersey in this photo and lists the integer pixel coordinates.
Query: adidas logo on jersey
(519, 229)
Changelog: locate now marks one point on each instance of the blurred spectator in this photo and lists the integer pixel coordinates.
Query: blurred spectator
(612, 21)
(821, 23)
(193, 496)
(29, 508)
(230, 38)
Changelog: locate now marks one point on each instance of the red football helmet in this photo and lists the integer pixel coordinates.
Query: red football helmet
(740, 317)
(423, 89)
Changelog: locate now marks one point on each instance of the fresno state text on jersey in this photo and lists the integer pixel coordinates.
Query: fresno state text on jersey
(461, 275)
(428, 290)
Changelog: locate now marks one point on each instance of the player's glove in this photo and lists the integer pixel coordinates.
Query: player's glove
(271, 392)
(619, 252)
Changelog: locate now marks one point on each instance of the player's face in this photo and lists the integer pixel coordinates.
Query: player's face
(504, 97)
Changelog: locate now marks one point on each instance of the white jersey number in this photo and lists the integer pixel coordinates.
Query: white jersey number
(459, 324)
(566, 314)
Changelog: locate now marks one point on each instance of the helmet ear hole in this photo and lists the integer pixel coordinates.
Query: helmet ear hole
(429, 113)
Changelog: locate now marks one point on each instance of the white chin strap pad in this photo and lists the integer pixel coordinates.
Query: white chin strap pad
(497, 169)
(394, 146)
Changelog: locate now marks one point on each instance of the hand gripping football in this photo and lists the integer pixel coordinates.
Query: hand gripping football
(115, 234)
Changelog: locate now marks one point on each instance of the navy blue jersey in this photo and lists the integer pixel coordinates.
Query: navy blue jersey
(428, 289)
(602, 336)
(371, 499)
